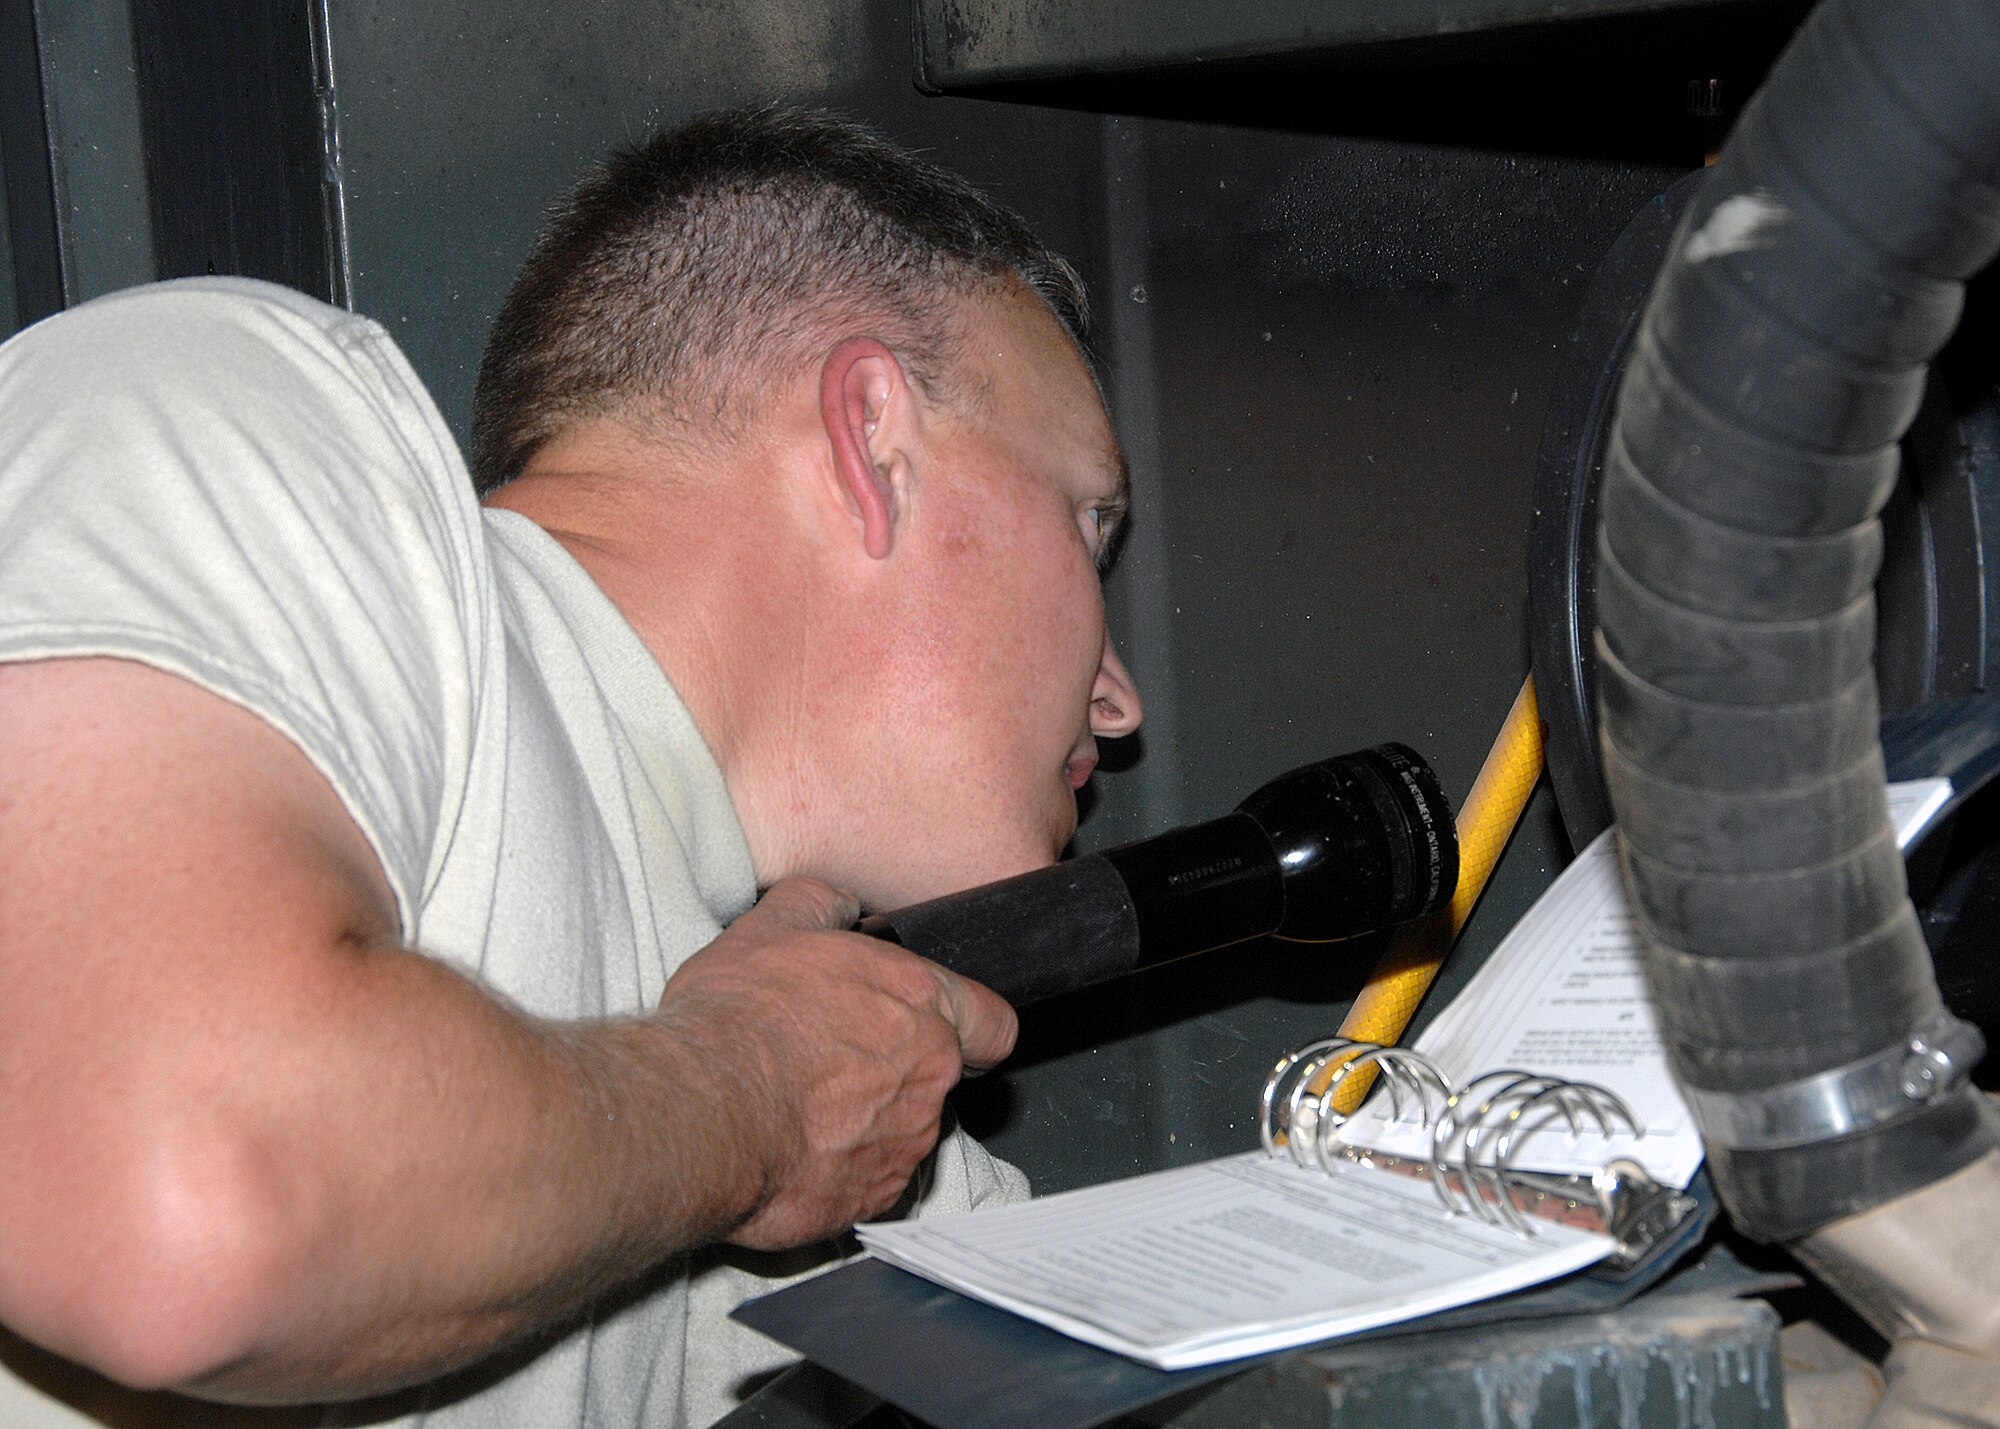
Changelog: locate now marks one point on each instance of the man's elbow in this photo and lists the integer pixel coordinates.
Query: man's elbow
(177, 1280)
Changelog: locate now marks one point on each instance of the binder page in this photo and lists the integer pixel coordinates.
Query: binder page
(1563, 995)
(1239, 1256)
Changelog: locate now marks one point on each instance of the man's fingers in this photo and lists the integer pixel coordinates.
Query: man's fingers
(986, 1025)
(847, 1032)
(803, 903)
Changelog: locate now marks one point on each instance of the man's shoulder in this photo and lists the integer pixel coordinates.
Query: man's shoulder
(237, 375)
(219, 343)
(247, 302)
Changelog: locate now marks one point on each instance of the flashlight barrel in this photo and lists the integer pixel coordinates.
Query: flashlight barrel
(1338, 848)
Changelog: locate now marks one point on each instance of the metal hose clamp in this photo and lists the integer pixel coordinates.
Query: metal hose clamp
(1901, 1078)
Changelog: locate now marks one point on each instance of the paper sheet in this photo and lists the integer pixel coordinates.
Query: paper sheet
(1563, 994)
(1234, 1257)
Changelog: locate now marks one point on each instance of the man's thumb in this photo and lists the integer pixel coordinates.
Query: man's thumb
(804, 903)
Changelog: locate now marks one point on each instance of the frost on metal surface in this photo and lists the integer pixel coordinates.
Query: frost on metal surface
(1614, 1377)
(1669, 1363)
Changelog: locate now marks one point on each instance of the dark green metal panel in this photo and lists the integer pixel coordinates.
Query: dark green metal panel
(95, 147)
(461, 122)
(9, 310)
(74, 216)
(235, 141)
(964, 43)
(36, 280)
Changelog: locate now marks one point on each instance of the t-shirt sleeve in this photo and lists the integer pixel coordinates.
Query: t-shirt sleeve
(238, 485)
(967, 1177)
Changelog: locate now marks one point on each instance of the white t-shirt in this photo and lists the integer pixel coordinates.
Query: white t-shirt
(247, 488)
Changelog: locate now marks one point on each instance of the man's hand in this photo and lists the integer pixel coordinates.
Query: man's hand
(845, 1046)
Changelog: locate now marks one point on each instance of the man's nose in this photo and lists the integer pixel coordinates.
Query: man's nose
(1114, 698)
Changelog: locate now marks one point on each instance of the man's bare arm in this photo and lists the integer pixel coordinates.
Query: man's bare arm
(258, 1150)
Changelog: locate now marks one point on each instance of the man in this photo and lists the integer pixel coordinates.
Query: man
(369, 1025)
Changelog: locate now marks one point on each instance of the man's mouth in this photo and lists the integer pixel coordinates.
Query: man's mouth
(1079, 769)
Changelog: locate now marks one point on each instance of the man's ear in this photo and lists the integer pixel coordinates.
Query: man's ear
(866, 404)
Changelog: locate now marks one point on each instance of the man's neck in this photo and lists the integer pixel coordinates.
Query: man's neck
(713, 604)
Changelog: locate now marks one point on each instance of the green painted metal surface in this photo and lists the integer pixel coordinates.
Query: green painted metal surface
(975, 42)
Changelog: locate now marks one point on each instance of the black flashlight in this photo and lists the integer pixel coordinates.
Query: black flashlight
(1335, 849)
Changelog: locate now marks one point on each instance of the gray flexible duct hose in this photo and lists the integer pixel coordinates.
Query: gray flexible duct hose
(1780, 360)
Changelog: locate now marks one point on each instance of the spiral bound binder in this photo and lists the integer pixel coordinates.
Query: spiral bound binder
(1477, 1131)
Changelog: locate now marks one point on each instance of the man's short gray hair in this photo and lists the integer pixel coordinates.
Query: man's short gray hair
(682, 277)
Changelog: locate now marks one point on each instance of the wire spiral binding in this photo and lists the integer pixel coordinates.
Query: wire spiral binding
(1476, 1130)
(1484, 1124)
(1311, 1121)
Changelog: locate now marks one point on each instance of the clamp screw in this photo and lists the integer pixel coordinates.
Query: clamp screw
(1928, 1071)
